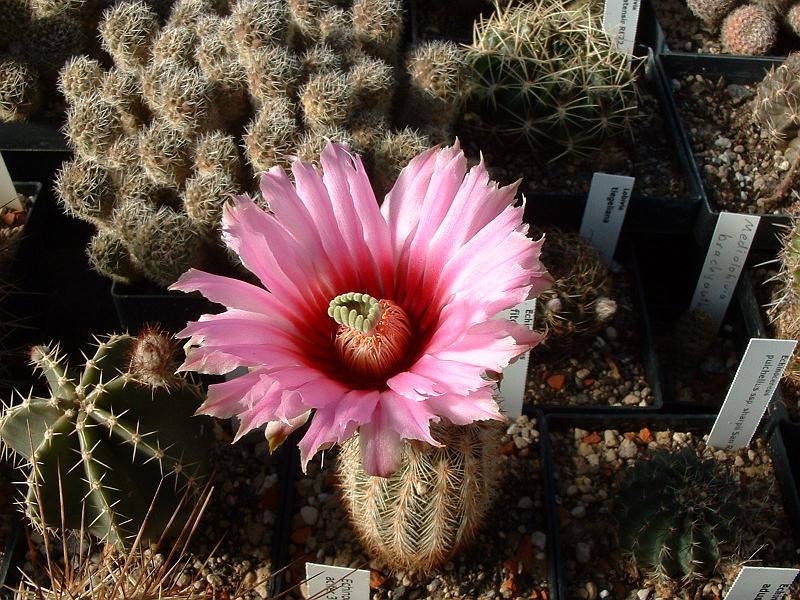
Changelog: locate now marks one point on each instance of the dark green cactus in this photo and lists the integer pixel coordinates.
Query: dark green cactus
(547, 76)
(677, 514)
(104, 444)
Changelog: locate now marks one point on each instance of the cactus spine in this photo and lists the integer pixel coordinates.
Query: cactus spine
(420, 516)
(536, 82)
(578, 303)
(785, 309)
(101, 445)
(677, 515)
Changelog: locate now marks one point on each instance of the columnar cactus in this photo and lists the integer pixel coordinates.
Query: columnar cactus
(579, 301)
(106, 441)
(546, 75)
(785, 309)
(420, 516)
(677, 515)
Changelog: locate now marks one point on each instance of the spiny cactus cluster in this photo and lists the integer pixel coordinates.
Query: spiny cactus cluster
(579, 301)
(36, 38)
(785, 309)
(677, 515)
(776, 108)
(99, 449)
(159, 137)
(420, 516)
(749, 28)
(546, 74)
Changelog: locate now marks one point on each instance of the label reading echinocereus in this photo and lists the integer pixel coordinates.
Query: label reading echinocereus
(605, 210)
(620, 20)
(762, 583)
(515, 375)
(756, 378)
(725, 259)
(8, 194)
(327, 582)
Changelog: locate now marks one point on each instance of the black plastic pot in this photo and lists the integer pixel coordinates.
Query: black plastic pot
(140, 305)
(733, 69)
(699, 424)
(626, 257)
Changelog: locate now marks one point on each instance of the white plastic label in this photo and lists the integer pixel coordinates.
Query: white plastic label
(725, 259)
(605, 211)
(620, 20)
(337, 583)
(762, 583)
(758, 374)
(8, 193)
(515, 375)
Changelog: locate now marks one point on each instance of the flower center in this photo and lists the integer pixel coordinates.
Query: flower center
(373, 335)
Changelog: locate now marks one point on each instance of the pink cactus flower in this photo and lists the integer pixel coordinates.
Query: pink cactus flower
(376, 319)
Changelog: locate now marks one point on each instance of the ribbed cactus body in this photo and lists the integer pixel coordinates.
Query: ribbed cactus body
(101, 445)
(776, 109)
(417, 518)
(537, 82)
(785, 308)
(677, 514)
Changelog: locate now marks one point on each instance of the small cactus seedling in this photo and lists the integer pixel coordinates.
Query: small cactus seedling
(677, 514)
(546, 75)
(749, 29)
(420, 516)
(579, 302)
(104, 444)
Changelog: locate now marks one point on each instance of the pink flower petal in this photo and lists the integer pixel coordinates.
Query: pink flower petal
(224, 400)
(381, 445)
(276, 432)
(230, 292)
(463, 410)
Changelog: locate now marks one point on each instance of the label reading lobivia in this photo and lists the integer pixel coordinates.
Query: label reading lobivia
(515, 375)
(725, 259)
(620, 20)
(758, 374)
(327, 582)
(8, 194)
(762, 583)
(605, 210)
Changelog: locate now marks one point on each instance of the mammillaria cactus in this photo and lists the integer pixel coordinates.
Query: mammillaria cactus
(264, 79)
(433, 505)
(579, 301)
(677, 515)
(106, 439)
(712, 12)
(749, 29)
(785, 309)
(537, 82)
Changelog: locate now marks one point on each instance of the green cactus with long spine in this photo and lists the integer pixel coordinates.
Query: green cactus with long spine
(433, 505)
(677, 515)
(546, 75)
(100, 448)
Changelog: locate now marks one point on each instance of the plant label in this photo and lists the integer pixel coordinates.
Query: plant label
(620, 20)
(327, 582)
(8, 193)
(515, 375)
(725, 259)
(758, 374)
(606, 205)
(762, 583)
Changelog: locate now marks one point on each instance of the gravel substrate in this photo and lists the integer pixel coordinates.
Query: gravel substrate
(588, 466)
(645, 152)
(740, 170)
(686, 33)
(604, 370)
(230, 554)
(507, 560)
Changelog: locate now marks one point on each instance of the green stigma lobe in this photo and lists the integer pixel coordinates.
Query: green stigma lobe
(355, 310)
